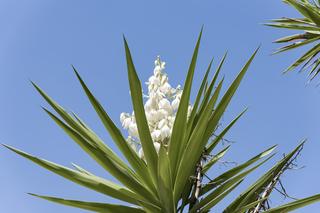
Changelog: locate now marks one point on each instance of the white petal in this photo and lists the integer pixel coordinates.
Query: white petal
(165, 104)
(153, 80)
(126, 123)
(162, 123)
(156, 146)
(156, 135)
(166, 88)
(175, 103)
(122, 117)
(161, 114)
(165, 132)
(133, 130)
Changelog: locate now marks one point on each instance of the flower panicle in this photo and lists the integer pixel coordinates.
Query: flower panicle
(160, 107)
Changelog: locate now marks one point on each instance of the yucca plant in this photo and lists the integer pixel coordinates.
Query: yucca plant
(309, 24)
(167, 153)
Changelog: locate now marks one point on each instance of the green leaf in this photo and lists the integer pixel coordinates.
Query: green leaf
(294, 26)
(196, 103)
(92, 182)
(138, 164)
(176, 144)
(92, 206)
(165, 185)
(309, 24)
(220, 197)
(215, 117)
(140, 116)
(211, 199)
(250, 195)
(125, 176)
(306, 11)
(250, 205)
(297, 44)
(79, 127)
(234, 171)
(219, 137)
(80, 169)
(293, 21)
(295, 205)
(211, 86)
(308, 54)
(215, 159)
(193, 151)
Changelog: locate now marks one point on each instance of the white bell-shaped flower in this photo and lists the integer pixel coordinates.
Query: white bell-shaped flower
(149, 105)
(154, 80)
(133, 130)
(157, 147)
(162, 123)
(156, 135)
(161, 114)
(165, 104)
(165, 132)
(123, 116)
(164, 79)
(126, 123)
(166, 88)
(175, 103)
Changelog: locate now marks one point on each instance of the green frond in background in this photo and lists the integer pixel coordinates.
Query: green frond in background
(166, 181)
(309, 27)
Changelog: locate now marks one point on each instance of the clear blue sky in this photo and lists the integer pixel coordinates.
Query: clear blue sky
(39, 40)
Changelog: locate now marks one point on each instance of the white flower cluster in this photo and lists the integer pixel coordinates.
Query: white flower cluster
(160, 108)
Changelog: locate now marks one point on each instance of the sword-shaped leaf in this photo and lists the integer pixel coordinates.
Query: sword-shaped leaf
(220, 136)
(250, 195)
(234, 171)
(137, 163)
(215, 159)
(295, 204)
(92, 206)
(125, 176)
(88, 134)
(210, 200)
(180, 124)
(140, 116)
(198, 98)
(218, 112)
(92, 182)
(193, 151)
(165, 185)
